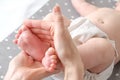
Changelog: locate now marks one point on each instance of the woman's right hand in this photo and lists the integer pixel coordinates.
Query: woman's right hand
(66, 49)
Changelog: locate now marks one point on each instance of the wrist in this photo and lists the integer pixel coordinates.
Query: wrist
(74, 72)
(74, 68)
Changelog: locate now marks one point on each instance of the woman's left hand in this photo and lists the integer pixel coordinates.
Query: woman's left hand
(23, 67)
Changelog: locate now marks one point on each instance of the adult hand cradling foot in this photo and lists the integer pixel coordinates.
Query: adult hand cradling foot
(24, 67)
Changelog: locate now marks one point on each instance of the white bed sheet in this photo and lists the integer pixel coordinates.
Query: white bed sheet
(13, 13)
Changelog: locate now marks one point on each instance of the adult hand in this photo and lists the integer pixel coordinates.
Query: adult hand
(23, 67)
(44, 28)
(65, 48)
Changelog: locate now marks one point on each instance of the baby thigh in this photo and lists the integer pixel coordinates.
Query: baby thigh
(97, 54)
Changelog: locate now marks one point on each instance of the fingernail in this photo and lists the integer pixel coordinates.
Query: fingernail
(56, 8)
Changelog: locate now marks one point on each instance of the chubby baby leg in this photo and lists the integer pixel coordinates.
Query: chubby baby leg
(31, 44)
(117, 5)
(83, 7)
(50, 60)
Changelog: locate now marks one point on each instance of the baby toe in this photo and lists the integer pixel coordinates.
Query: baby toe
(54, 61)
(53, 56)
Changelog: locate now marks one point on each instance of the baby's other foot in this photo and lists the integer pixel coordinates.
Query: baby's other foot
(32, 45)
(50, 60)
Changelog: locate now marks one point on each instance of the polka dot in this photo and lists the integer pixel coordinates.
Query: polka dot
(19, 48)
(43, 16)
(33, 17)
(66, 4)
(1, 76)
(113, 6)
(115, 0)
(16, 31)
(47, 4)
(10, 57)
(117, 74)
(6, 39)
(109, 1)
(0, 67)
(72, 17)
(101, 1)
(93, 2)
(50, 10)
(8, 48)
(40, 10)
(69, 10)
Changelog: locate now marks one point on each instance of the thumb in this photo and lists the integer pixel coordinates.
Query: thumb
(58, 20)
(63, 42)
(61, 35)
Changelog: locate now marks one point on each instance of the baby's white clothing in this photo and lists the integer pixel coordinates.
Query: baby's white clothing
(81, 30)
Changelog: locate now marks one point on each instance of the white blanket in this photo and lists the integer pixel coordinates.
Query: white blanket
(13, 12)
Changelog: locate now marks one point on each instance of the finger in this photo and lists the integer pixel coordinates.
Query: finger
(45, 37)
(62, 40)
(47, 42)
(50, 51)
(18, 34)
(22, 29)
(58, 18)
(60, 30)
(38, 24)
(40, 31)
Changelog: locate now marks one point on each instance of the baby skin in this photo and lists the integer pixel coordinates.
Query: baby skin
(36, 48)
(101, 49)
(109, 24)
(35, 37)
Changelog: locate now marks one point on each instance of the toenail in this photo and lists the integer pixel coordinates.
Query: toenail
(53, 61)
(54, 57)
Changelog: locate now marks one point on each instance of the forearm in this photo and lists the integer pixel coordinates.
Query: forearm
(9, 74)
(13, 76)
(74, 71)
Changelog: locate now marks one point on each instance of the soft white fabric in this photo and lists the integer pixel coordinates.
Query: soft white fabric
(13, 12)
(81, 29)
(101, 76)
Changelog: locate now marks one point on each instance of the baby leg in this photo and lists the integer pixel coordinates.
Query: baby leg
(32, 45)
(117, 5)
(83, 7)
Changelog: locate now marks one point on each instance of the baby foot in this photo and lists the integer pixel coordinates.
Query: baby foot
(31, 44)
(50, 60)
